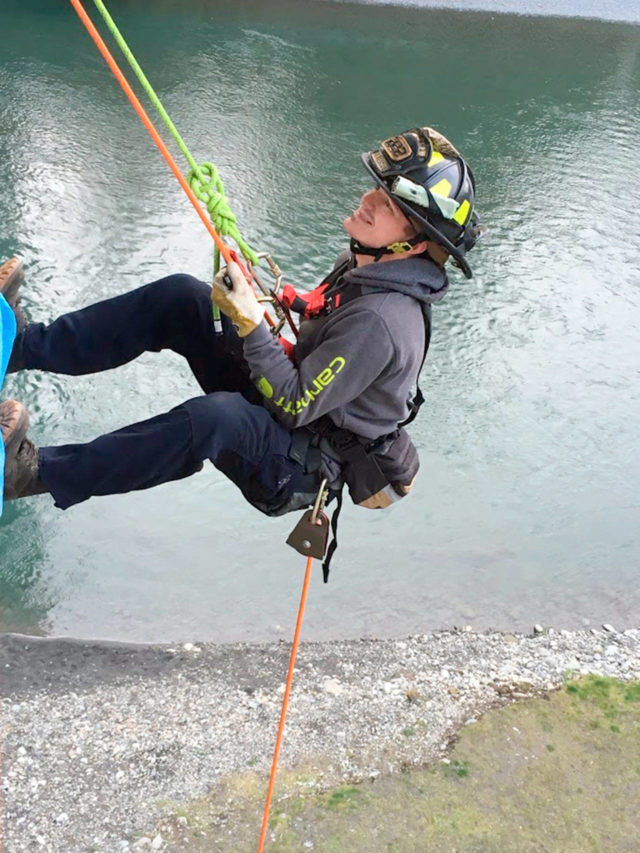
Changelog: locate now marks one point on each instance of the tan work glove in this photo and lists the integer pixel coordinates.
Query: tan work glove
(240, 303)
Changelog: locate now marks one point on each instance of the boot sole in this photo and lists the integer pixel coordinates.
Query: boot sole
(11, 278)
(18, 432)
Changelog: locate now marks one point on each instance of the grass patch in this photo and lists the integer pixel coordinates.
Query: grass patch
(508, 786)
(345, 797)
(455, 769)
(607, 693)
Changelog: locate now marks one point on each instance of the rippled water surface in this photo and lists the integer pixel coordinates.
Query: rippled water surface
(527, 506)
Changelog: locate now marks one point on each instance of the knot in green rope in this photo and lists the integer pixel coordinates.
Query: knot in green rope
(207, 185)
(204, 180)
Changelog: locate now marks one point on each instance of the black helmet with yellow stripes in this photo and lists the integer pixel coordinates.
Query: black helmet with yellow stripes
(428, 179)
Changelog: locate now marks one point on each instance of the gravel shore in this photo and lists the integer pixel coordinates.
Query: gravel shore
(98, 740)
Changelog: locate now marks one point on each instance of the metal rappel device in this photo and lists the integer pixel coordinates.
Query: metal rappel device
(311, 534)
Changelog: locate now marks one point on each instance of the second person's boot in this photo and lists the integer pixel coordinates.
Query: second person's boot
(21, 455)
(11, 278)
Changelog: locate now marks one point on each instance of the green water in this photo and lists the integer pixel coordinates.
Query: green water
(527, 505)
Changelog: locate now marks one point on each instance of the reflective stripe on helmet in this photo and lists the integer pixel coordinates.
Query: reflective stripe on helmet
(443, 188)
(461, 215)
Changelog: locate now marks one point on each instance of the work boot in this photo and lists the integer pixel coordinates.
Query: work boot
(21, 455)
(11, 277)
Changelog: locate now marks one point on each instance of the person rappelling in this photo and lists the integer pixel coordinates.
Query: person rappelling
(290, 423)
(276, 423)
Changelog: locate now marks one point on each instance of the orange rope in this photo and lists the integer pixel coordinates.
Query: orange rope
(285, 702)
(144, 118)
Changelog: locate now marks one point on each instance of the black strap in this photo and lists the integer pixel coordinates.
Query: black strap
(418, 400)
(354, 291)
(334, 282)
(377, 252)
(414, 407)
(333, 546)
(305, 450)
(345, 446)
(300, 439)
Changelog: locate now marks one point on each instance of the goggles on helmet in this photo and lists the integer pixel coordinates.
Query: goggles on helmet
(417, 194)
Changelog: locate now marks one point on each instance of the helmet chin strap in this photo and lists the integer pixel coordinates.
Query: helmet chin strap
(358, 248)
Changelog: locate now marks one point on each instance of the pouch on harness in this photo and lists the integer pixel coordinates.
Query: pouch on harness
(377, 473)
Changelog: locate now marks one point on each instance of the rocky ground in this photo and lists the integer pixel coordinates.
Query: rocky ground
(102, 743)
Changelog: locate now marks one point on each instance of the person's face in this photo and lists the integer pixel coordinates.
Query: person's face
(378, 221)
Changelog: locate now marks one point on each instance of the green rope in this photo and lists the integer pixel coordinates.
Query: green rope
(204, 179)
(207, 185)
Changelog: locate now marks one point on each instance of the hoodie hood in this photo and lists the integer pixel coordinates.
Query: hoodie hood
(420, 278)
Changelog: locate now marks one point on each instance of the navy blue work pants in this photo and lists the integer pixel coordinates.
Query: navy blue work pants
(227, 424)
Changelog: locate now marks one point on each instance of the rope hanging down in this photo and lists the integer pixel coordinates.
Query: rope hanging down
(285, 704)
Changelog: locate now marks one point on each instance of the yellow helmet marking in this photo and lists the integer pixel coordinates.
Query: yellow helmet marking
(443, 187)
(461, 214)
(436, 157)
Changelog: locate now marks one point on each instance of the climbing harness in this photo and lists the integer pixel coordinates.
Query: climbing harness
(331, 295)
(377, 473)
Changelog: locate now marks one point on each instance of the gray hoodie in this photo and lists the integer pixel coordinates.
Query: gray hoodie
(359, 365)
